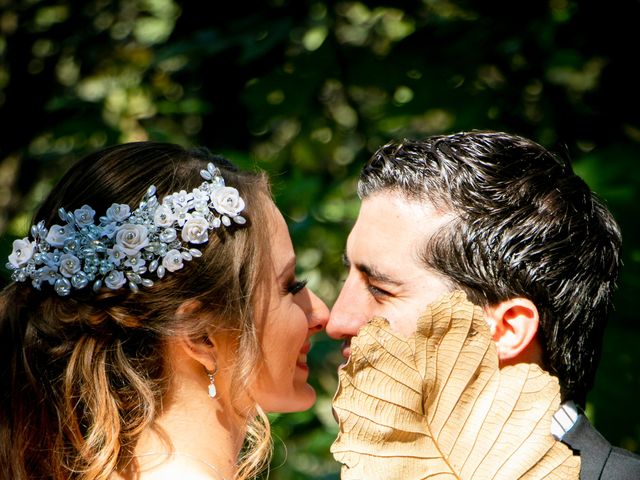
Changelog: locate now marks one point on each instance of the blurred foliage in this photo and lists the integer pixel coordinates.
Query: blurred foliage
(306, 90)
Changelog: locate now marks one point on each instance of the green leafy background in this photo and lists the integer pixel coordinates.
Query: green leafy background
(307, 90)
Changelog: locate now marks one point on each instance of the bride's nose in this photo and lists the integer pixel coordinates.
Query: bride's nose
(318, 313)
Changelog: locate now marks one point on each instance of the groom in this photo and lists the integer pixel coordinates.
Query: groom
(510, 224)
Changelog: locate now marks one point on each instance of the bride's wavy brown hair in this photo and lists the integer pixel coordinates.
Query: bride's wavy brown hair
(82, 376)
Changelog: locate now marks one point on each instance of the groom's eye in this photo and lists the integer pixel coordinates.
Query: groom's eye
(377, 292)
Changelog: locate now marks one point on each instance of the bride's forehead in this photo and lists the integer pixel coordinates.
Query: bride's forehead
(281, 247)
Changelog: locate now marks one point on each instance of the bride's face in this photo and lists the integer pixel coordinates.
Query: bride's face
(293, 315)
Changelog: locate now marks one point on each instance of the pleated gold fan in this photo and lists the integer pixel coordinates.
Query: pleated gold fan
(436, 405)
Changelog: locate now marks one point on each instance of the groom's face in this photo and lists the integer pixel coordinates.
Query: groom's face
(386, 277)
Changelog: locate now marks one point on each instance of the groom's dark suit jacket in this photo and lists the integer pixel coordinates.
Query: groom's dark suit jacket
(599, 460)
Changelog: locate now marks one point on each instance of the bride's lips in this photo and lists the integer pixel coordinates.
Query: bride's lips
(302, 356)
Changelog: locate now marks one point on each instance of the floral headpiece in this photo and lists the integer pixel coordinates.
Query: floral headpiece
(124, 245)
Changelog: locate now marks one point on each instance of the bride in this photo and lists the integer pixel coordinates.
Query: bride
(153, 320)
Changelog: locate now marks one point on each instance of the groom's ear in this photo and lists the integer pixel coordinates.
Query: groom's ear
(514, 324)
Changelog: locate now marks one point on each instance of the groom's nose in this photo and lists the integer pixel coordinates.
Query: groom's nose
(348, 313)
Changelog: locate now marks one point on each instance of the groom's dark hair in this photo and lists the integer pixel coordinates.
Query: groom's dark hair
(526, 225)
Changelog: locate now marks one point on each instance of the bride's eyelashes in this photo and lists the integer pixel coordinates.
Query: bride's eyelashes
(295, 286)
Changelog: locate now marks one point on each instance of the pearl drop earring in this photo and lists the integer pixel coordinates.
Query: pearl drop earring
(211, 389)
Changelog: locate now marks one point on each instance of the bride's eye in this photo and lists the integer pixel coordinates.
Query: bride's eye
(295, 286)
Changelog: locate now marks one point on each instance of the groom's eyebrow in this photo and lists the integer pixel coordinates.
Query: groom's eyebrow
(370, 271)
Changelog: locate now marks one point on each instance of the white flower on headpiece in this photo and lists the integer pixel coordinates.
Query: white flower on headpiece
(200, 200)
(172, 261)
(163, 216)
(168, 235)
(115, 255)
(115, 279)
(48, 274)
(109, 230)
(227, 201)
(58, 234)
(200, 195)
(80, 280)
(182, 215)
(84, 216)
(182, 199)
(22, 252)
(136, 263)
(195, 230)
(69, 264)
(118, 212)
(132, 238)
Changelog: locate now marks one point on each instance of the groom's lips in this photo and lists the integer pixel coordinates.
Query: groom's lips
(346, 349)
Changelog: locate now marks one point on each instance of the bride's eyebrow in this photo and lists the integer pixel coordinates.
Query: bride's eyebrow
(371, 272)
(288, 269)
